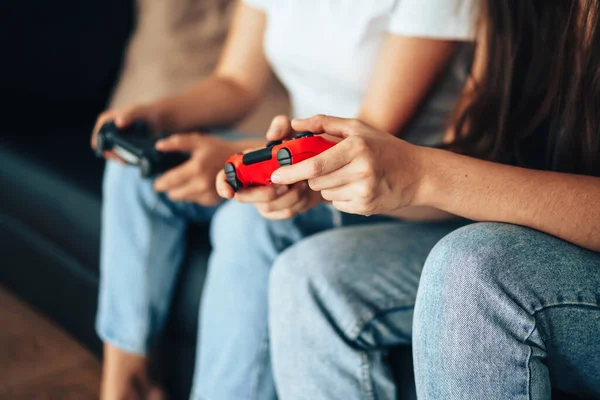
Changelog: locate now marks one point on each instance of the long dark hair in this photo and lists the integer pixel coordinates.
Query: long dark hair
(542, 75)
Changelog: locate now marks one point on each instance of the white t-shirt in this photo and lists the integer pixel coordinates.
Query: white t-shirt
(324, 51)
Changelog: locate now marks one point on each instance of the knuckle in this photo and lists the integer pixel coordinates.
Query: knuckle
(363, 168)
(359, 144)
(364, 191)
(356, 125)
(287, 214)
(315, 168)
(173, 196)
(265, 208)
(313, 184)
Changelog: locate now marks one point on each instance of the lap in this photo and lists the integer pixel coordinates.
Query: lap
(359, 273)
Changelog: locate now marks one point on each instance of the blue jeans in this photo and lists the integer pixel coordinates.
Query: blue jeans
(234, 357)
(503, 312)
(506, 312)
(143, 246)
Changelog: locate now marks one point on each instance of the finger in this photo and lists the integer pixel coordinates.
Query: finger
(280, 128)
(127, 116)
(344, 206)
(175, 177)
(288, 200)
(195, 192)
(322, 164)
(342, 193)
(179, 142)
(340, 177)
(224, 189)
(278, 215)
(102, 119)
(260, 194)
(186, 192)
(340, 127)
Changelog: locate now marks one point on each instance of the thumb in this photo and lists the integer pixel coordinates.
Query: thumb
(179, 142)
(127, 116)
(319, 124)
(124, 119)
(280, 128)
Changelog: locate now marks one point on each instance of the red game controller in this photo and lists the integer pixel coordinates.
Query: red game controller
(255, 168)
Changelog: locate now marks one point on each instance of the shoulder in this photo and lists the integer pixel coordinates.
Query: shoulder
(443, 19)
(262, 5)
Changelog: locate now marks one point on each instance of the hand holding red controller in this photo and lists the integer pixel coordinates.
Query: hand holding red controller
(255, 168)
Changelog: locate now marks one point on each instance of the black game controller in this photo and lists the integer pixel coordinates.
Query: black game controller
(136, 145)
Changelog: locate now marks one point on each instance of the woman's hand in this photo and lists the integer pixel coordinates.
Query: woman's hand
(122, 117)
(194, 180)
(369, 172)
(279, 201)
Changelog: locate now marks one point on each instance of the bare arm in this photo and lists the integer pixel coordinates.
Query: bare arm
(406, 71)
(234, 88)
(563, 205)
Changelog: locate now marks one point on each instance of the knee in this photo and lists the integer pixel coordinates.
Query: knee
(475, 255)
(119, 177)
(470, 271)
(235, 224)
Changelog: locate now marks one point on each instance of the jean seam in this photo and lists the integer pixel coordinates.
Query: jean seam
(367, 383)
(359, 326)
(563, 304)
(253, 394)
(534, 327)
(147, 274)
(528, 361)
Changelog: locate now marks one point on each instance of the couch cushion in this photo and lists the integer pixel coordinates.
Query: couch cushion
(56, 192)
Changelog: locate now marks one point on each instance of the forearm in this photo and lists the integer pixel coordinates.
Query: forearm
(563, 205)
(212, 102)
(421, 214)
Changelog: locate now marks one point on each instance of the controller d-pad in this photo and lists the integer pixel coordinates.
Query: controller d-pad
(232, 179)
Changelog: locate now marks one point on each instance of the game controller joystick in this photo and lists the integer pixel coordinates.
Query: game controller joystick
(136, 145)
(255, 168)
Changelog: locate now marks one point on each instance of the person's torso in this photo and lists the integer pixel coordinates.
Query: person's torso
(325, 52)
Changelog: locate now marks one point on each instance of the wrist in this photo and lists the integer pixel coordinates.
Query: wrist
(429, 175)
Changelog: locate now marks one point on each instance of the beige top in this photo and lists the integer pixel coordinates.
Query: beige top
(176, 43)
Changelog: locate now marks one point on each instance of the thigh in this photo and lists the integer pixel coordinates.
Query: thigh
(337, 300)
(363, 276)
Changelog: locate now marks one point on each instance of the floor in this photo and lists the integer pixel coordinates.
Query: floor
(40, 361)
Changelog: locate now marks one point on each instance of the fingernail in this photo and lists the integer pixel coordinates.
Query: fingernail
(159, 144)
(275, 178)
(281, 190)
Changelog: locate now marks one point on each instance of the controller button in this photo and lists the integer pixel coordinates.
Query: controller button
(284, 157)
(304, 135)
(232, 179)
(274, 143)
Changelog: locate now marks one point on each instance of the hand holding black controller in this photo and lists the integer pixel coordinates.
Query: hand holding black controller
(136, 145)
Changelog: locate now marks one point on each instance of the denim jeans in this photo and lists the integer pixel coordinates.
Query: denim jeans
(503, 312)
(234, 359)
(506, 312)
(143, 246)
(339, 300)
